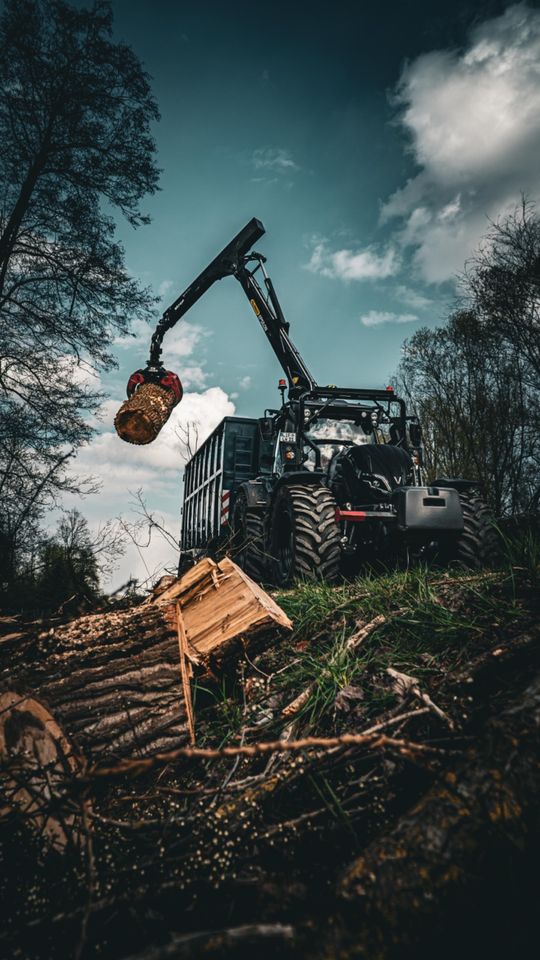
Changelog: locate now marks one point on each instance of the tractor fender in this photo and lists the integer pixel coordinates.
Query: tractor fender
(255, 494)
(459, 483)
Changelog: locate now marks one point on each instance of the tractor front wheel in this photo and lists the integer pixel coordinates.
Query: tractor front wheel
(304, 534)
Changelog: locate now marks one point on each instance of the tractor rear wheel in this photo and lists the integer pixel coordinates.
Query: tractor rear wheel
(248, 539)
(304, 534)
(478, 545)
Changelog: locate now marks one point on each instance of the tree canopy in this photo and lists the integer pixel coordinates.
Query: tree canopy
(474, 380)
(76, 149)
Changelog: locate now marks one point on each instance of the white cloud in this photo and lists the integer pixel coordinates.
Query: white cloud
(164, 287)
(122, 466)
(274, 159)
(364, 264)
(412, 298)
(183, 339)
(473, 117)
(193, 376)
(245, 383)
(377, 317)
(140, 331)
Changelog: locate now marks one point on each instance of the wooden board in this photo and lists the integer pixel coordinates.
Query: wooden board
(220, 604)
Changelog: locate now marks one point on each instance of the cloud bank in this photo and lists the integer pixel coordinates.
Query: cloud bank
(473, 119)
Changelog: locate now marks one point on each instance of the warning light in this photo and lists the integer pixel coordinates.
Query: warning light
(282, 384)
(390, 389)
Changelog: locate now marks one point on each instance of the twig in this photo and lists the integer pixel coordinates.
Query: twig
(404, 685)
(354, 641)
(364, 632)
(299, 702)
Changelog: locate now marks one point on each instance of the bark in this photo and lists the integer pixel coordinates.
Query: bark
(443, 854)
(112, 681)
(140, 418)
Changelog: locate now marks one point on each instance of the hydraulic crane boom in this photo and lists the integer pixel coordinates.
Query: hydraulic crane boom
(233, 261)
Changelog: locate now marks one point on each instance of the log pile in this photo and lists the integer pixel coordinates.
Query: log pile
(116, 685)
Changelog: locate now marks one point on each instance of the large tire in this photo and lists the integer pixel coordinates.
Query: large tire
(248, 539)
(304, 534)
(478, 546)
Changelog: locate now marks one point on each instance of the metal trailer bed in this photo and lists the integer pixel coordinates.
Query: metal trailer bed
(227, 458)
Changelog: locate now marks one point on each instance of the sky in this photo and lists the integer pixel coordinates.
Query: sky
(374, 141)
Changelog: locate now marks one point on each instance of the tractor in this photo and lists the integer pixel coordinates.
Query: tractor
(331, 479)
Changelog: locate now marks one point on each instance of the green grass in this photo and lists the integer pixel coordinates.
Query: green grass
(218, 710)
(437, 621)
(522, 551)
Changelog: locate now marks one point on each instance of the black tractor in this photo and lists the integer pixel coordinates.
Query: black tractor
(330, 480)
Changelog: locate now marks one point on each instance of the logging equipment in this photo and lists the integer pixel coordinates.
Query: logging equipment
(332, 478)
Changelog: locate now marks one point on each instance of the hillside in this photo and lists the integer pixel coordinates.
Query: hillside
(395, 813)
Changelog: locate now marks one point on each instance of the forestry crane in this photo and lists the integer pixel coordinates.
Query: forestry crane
(330, 480)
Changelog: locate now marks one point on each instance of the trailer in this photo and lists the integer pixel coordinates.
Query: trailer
(229, 457)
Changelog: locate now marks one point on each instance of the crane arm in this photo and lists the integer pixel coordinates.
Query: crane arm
(232, 261)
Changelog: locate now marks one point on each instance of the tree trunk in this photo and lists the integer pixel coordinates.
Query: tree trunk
(112, 681)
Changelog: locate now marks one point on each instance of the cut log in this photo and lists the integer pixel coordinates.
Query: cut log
(115, 685)
(140, 418)
(36, 763)
(113, 681)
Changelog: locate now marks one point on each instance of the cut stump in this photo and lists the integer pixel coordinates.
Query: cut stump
(36, 763)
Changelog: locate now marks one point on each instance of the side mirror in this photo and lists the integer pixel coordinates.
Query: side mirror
(266, 427)
(415, 433)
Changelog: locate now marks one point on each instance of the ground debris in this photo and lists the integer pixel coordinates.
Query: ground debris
(264, 825)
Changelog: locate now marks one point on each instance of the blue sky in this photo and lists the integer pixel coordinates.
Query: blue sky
(373, 141)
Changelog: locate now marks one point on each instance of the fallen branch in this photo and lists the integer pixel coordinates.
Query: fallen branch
(364, 632)
(219, 942)
(374, 740)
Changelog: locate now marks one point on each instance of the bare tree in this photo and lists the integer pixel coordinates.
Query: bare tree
(471, 391)
(75, 142)
(497, 283)
(188, 434)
